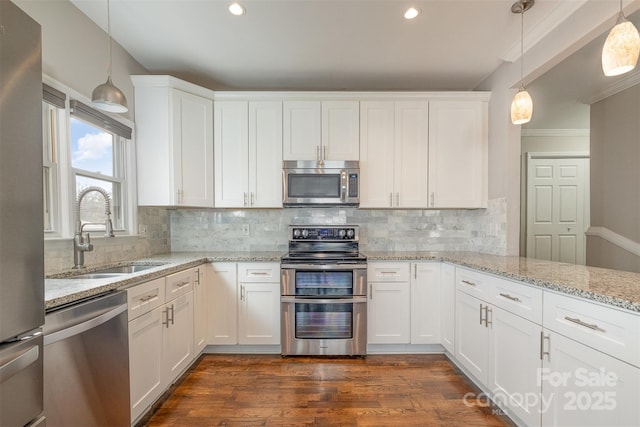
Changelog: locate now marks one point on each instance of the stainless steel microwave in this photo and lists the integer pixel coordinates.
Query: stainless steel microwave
(326, 183)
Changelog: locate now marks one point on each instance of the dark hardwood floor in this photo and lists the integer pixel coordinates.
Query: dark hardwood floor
(268, 390)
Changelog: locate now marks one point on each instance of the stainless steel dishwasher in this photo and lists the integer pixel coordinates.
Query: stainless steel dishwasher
(86, 363)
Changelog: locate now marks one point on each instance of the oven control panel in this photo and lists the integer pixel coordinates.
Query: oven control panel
(340, 233)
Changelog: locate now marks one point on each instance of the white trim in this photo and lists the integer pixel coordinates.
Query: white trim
(554, 132)
(356, 96)
(562, 155)
(563, 11)
(614, 88)
(615, 238)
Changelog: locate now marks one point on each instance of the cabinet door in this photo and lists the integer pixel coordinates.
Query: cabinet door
(301, 130)
(425, 303)
(200, 336)
(259, 313)
(145, 367)
(472, 336)
(458, 145)
(376, 154)
(265, 154)
(231, 149)
(222, 302)
(584, 387)
(447, 306)
(340, 130)
(177, 344)
(193, 149)
(514, 354)
(411, 154)
(389, 313)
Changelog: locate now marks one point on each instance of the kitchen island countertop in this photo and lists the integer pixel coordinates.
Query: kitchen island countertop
(611, 287)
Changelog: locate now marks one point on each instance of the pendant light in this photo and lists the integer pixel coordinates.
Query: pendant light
(522, 104)
(107, 96)
(620, 50)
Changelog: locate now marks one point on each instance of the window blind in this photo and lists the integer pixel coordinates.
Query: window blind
(93, 116)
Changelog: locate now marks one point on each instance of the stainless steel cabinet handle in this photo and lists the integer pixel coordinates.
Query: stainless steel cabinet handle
(147, 298)
(391, 199)
(481, 308)
(433, 197)
(397, 199)
(507, 296)
(487, 312)
(172, 315)
(542, 352)
(415, 271)
(318, 153)
(198, 276)
(466, 282)
(324, 153)
(252, 198)
(586, 325)
(258, 273)
(182, 284)
(179, 196)
(19, 363)
(370, 290)
(166, 317)
(241, 292)
(245, 199)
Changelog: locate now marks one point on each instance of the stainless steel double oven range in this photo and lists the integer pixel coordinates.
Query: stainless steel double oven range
(324, 292)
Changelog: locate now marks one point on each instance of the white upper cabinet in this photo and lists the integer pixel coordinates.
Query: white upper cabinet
(174, 142)
(424, 153)
(458, 141)
(321, 130)
(394, 154)
(248, 154)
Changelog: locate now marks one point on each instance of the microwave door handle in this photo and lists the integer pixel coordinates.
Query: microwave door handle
(343, 186)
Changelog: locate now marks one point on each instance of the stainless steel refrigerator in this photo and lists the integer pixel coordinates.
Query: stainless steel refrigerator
(21, 218)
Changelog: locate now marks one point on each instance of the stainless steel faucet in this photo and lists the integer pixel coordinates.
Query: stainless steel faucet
(82, 243)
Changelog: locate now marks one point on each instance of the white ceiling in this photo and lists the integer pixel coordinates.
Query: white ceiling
(326, 44)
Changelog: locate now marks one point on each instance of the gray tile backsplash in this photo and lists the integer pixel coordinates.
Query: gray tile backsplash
(479, 230)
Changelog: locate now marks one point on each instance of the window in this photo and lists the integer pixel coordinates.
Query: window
(83, 148)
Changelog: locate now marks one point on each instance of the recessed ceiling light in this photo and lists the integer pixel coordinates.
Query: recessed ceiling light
(236, 9)
(411, 13)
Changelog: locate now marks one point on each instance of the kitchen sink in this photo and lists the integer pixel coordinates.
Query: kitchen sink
(115, 271)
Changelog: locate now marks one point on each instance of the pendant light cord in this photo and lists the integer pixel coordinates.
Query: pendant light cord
(109, 38)
(522, 47)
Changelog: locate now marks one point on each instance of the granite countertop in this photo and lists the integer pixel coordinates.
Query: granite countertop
(612, 287)
(616, 288)
(60, 290)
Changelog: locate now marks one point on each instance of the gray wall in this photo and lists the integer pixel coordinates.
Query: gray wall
(615, 178)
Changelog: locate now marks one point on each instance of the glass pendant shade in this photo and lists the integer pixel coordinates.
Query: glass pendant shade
(521, 107)
(621, 49)
(108, 97)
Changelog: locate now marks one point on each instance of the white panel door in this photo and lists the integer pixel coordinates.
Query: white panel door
(265, 154)
(556, 205)
(411, 156)
(376, 154)
(472, 336)
(340, 130)
(389, 309)
(177, 340)
(301, 130)
(425, 303)
(222, 303)
(231, 123)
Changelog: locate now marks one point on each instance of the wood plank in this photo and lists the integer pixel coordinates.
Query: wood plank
(268, 390)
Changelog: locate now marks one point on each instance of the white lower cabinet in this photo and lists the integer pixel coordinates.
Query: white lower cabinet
(499, 348)
(389, 306)
(585, 387)
(448, 306)
(161, 324)
(244, 304)
(425, 303)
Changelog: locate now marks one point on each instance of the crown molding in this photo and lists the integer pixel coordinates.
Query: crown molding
(620, 85)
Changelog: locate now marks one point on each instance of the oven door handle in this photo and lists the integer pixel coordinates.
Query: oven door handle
(353, 300)
(321, 267)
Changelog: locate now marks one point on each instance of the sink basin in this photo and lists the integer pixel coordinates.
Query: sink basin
(126, 269)
(96, 276)
(115, 271)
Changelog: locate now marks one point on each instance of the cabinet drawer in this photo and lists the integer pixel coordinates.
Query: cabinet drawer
(178, 284)
(388, 272)
(259, 272)
(145, 297)
(523, 300)
(473, 283)
(611, 331)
